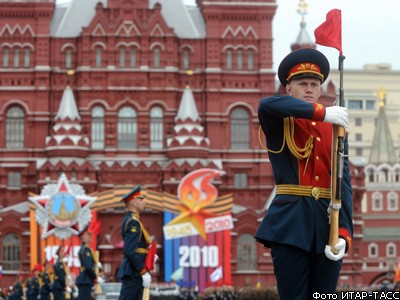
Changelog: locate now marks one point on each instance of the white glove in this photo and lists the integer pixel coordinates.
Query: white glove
(146, 280)
(337, 115)
(340, 246)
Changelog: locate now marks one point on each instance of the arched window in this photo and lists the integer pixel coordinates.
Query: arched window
(16, 58)
(391, 250)
(11, 259)
(98, 128)
(250, 60)
(186, 60)
(240, 129)
(99, 57)
(373, 250)
(246, 253)
(157, 58)
(127, 128)
(239, 57)
(122, 58)
(132, 57)
(156, 128)
(393, 201)
(229, 60)
(68, 58)
(27, 58)
(15, 128)
(6, 57)
(377, 201)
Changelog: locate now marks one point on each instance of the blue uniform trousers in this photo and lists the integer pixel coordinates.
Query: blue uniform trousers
(85, 291)
(131, 288)
(300, 273)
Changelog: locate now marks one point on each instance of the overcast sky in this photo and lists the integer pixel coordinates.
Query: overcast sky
(370, 30)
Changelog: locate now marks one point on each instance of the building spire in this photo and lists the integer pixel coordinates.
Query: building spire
(303, 40)
(188, 137)
(383, 150)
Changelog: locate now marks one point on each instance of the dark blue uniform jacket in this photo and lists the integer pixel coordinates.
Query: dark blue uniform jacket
(301, 221)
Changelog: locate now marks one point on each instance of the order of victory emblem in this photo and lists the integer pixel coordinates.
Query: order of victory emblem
(62, 209)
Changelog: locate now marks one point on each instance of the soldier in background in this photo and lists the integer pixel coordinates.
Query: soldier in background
(45, 288)
(32, 284)
(132, 271)
(87, 275)
(17, 290)
(59, 283)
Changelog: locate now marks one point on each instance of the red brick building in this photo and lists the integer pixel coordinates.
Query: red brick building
(140, 91)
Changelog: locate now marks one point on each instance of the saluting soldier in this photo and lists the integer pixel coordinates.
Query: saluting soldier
(18, 290)
(32, 285)
(45, 288)
(59, 283)
(132, 271)
(87, 275)
(298, 133)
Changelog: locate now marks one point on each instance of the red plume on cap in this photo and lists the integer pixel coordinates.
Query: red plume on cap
(38, 268)
(133, 194)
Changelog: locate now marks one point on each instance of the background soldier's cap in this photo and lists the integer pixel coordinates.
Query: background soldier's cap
(59, 250)
(133, 194)
(84, 230)
(302, 63)
(38, 268)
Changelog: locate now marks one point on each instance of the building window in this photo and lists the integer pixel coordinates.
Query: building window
(6, 57)
(14, 179)
(15, 128)
(373, 250)
(370, 104)
(377, 201)
(98, 128)
(246, 253)
(393, 201)
(391, 250)
(127, 128)
(156, 128)
(240, 180)
(355, 104)
(132, 56)
(11, 252)
(358, 137)
(68, 59)
(229, 60)
(250, 60)
(240, 129)
(27, 58)
(239, 60)
(99, 57)
(157, 58)
(359, 151)
(358, 121)
(186, 60)
(122, 59)
(383, 176)
(16, 58)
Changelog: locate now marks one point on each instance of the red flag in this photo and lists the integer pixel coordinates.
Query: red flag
(329, 33)
(149, 262)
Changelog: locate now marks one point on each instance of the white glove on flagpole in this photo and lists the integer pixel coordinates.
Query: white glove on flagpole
(146, 279)
(337, 115)
(340, 246)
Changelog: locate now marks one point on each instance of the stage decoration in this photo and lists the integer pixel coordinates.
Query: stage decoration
(197, 232)
(62, 209)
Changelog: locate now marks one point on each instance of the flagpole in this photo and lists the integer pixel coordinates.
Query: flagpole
(338, 137)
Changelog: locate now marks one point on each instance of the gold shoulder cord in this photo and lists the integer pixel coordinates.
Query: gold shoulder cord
(288, 139)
